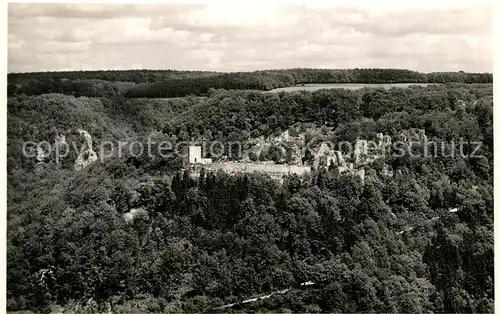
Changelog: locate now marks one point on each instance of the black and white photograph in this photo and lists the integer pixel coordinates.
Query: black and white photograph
(249, 157)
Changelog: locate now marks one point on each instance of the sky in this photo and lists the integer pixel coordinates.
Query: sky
(425, 36)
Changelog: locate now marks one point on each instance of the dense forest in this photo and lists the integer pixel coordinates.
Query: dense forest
(218, 239)
(159, 84)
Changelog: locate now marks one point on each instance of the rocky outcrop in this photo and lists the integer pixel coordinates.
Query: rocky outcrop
(367, 152)
(326, 157)
(87, 137)
(349, 169)
(87, 154)
(340, 158)
(285, 142)
(361, 174)
(360, 151)
(43, 155)
(295, 157)
(135, 213)
(422, 136)
(283, 137)
(383, 141)
(282, 153)
(258, 146)
(286, 137)
(380, 138)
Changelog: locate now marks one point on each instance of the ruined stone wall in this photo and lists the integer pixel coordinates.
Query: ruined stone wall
(270, 168)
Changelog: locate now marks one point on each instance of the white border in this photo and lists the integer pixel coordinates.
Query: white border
(374, 4)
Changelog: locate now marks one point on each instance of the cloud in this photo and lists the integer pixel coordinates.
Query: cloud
(465, 21)
(229, 37)
(85, 10)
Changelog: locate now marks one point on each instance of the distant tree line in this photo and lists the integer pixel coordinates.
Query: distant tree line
(158, 84)
(135, 76)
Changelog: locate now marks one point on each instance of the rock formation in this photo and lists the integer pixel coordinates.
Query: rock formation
(87, 154)
(386, 141)
(360, 151)
(42, 155)
(361, 174)
(135, 213)
(283, 137)
(340, 158)
(422, 136)
(380, 138)
(325, 156)
(295, 155)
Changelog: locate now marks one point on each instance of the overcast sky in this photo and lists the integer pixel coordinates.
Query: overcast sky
(416, 35)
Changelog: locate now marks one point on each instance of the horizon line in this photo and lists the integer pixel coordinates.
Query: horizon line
(239, 71)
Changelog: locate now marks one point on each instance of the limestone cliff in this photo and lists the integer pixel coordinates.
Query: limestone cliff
(87, 154)
(135, 213)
